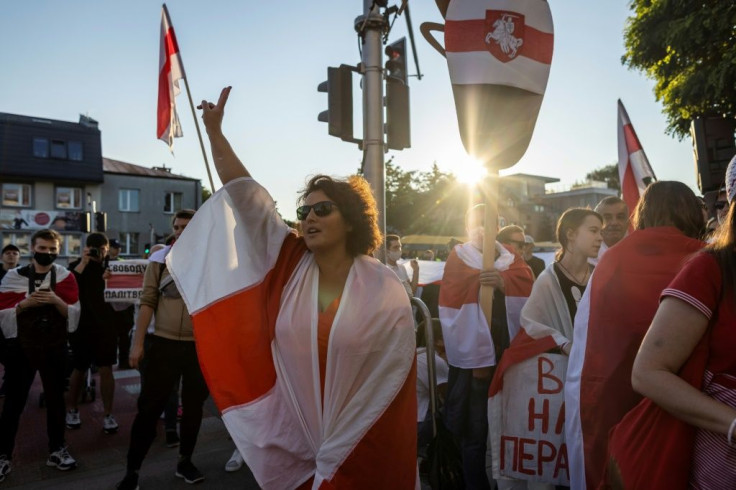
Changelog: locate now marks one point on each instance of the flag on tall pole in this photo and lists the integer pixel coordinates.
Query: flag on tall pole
(170, 71)
(634, 171)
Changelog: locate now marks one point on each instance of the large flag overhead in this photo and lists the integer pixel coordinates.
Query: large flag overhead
(499, 54)
(634, 171)
(170, 71)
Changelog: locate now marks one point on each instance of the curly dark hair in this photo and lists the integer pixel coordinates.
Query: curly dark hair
(355, 201)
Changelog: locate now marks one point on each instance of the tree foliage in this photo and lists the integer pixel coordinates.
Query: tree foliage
(430, 202)
(688, 48)
(607, 174)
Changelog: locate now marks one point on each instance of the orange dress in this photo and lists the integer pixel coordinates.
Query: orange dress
(381, 442)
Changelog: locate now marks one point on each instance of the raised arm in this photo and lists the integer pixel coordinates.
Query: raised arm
(227, 163)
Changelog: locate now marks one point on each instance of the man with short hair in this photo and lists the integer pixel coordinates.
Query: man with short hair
(11, 258)
(512, 236)
(96, 340)
(39, 305)
(615, 214)
(393, 255)
(172, 354)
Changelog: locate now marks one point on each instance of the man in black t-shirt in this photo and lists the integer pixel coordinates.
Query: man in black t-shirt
(11, 258)
(96, 339)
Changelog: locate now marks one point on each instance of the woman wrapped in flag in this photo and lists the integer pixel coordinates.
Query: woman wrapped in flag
(306, 342)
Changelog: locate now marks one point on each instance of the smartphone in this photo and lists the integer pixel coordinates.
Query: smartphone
(45, 290)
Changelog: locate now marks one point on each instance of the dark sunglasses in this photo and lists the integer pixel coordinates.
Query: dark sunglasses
(720, 204)
(321, 209)
(518, 243)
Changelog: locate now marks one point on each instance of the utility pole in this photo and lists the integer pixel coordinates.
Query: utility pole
(370, 26)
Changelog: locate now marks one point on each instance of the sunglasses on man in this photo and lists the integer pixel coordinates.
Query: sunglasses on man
(720, 205)
(321, 209)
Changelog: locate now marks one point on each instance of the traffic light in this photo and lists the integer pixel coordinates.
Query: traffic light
(100, 221)
(147, 249)
(714, 144)
(398, 125)
(339, 113)
(85, 222)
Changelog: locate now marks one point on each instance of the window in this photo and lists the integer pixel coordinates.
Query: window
(68, 198)
(58, 149)
(17, 195)
(71, 245)
(128, 200)
(129, 243)
(40, 147)
(20, 240)
(75, 151)
(172, 202)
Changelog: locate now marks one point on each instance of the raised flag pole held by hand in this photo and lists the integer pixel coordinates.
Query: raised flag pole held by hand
(172, 70)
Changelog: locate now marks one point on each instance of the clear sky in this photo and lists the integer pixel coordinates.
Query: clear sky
(100, 58)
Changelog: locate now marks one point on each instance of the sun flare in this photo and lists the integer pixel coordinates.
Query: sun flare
(469, 170)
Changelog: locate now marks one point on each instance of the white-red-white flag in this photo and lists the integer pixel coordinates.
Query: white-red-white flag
(634, 171)
(170, 71)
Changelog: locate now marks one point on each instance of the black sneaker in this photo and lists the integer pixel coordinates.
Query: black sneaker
(172, 438)
(130, 482)
(185, 469)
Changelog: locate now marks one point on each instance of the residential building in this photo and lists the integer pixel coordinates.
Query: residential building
(140, 202)
(52, 174)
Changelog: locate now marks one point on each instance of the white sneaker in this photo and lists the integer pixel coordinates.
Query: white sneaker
(235, 462)
(110, 425)
(72, 419)
(4, 467)
(62, 460)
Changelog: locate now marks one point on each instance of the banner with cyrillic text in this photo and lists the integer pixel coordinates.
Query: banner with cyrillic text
(527, 422)
(126, 283)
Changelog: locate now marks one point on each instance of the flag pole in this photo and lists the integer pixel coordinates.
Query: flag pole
(490, 189)
(199, 134)
(191, 105)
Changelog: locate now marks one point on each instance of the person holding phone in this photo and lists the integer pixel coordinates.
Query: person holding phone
(96, 340)
(39, 304)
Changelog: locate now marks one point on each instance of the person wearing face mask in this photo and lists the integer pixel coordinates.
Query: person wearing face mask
(39, 305)
(473, 346)
(393, 255)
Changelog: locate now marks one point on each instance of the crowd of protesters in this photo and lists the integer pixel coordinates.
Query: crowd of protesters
(320, 385)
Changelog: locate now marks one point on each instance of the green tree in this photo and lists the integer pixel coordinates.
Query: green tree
(206, 194)
(687, 48)
(607, 174)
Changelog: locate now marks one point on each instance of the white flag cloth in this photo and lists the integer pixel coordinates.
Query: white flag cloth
(170, 71)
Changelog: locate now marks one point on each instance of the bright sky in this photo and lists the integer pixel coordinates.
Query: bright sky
(60, 59)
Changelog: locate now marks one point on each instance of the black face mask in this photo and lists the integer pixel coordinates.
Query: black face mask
(44, 259)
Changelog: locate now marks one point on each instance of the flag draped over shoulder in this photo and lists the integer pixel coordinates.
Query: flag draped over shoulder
(634, 171)
(613, 317)
(14, 289)
(251, 287)
(170, 71)
(468, 340)
(528, 373)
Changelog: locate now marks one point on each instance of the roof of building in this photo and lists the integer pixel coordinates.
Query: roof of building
(85, 123)
(546, 180)
(111, 166)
